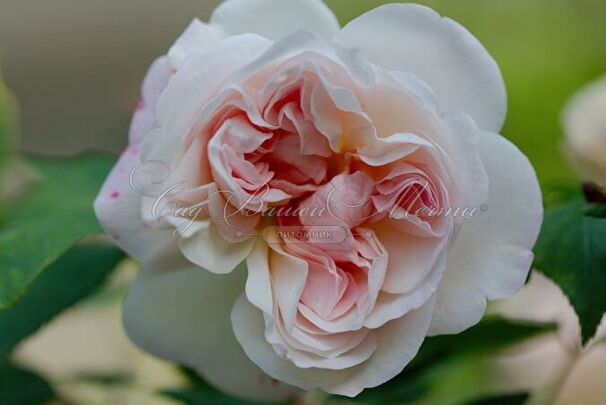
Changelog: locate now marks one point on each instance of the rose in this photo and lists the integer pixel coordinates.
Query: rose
(555, 367)
(585, 128)
(382, 123)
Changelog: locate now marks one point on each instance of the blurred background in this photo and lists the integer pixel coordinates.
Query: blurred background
(74, 68)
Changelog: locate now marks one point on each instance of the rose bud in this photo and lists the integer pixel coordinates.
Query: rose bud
(584, 122)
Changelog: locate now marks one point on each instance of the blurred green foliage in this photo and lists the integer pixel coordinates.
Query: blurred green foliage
(56, 214)
(546, 49)
(76, 275)
(19, 386)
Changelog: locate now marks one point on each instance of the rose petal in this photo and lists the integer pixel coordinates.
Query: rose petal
(258, 283)
(181, 314)
(398, 343)
(462, 145)
(392, 148)
(415, 39)
(197, 37)
(347, 201)
(425, 94)
(275, 19)
(411, 258)
(198, 79)
(326, 345)
(144, 118)
(358, 353)
(208, 249)
(491, 256)
(118, 209)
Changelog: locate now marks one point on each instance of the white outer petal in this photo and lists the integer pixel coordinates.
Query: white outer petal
(118, 209)
(398, 343)
(275, 19)
(197, 37)
(426, 95)
(441, 52)
(181, 313)
(492, 254)
(144, 118)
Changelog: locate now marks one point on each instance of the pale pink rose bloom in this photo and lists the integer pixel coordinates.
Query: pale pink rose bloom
(554, 367)
(272, 106)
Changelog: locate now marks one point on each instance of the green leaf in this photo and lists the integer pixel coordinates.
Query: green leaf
(53, 217)
(29, 248)
(22, 387)
(452, 357)
(68, 186)
(571, 250)
(74, 276)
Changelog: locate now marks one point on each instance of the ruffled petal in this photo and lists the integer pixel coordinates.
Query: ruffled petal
(415, 39)
(398, 342)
